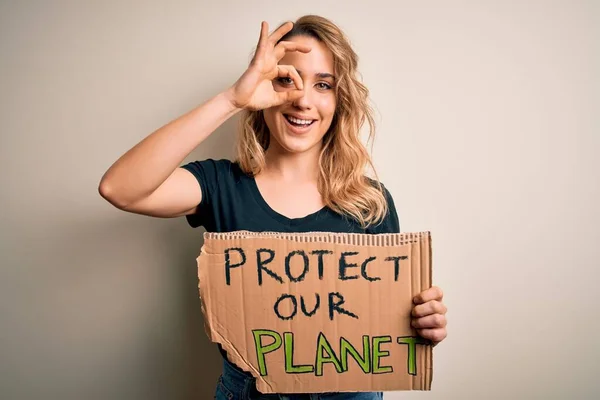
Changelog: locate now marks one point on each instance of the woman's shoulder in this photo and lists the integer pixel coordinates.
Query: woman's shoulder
(379, 186)
(214, 163)
(390, 222)
(215, 168)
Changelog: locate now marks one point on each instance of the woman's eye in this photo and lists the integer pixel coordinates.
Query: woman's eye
(285, 81)
(323, 85)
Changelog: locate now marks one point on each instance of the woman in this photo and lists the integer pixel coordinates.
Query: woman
(300, 164)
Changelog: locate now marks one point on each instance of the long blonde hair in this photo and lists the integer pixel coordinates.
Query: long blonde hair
(343, 160)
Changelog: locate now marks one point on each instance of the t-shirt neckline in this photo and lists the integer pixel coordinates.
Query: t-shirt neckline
(260, 200)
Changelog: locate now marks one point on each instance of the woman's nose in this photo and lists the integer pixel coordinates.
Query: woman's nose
(304, 102)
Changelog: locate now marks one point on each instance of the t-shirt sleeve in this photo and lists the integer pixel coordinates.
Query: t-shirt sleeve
(206, 173)
(390, 223)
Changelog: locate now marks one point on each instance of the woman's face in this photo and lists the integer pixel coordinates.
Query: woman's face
(300, 126)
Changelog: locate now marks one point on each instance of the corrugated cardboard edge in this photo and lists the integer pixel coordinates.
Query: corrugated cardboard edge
(383, 239)
(233, 353)
(359, 239)
(427, 354)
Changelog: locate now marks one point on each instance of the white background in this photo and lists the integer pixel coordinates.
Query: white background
(488, 130)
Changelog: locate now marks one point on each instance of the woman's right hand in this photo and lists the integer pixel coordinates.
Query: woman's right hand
(146, 179)
(254, 89)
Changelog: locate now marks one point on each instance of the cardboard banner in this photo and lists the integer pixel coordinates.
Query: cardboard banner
(318, 312)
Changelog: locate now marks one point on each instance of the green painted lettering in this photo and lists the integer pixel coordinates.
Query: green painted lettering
(412, 343)
(378, 353)
(261, 349)
(290, 368)
(323, 344)
(364, 362)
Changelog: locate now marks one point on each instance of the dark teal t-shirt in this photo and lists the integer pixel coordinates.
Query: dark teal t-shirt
(231, 201)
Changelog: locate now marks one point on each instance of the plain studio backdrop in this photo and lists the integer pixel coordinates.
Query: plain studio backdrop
(488, 129)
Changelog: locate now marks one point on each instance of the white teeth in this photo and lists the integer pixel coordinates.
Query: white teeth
(299, 121)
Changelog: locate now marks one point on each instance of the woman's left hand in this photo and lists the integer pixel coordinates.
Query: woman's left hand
(429, 315)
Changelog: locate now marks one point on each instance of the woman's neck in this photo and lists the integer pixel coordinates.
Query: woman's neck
(292, 167)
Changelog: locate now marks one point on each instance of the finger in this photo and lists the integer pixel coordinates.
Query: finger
(431, 307)
(262, 40)
(435, 335)
(289, 71)
(433, 293)
(289, 96)
(430, 321)
(264, 32)
(280, 32)
(285, 46)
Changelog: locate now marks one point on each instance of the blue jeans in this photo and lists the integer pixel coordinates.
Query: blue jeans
(235, 384)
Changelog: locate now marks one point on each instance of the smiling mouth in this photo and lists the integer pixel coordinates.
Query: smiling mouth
(299, 123)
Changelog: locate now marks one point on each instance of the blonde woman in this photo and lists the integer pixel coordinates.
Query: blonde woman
(300, 164)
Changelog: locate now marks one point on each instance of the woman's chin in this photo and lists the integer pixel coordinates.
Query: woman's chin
(296, 145)
(296, 148)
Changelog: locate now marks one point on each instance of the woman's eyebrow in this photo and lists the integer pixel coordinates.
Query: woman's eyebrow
(322, 75)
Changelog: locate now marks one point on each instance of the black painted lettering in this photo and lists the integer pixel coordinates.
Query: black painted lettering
(288, 267)
(260, 265)
(363, 270)
(229, 265)
(320, 254)
(303, 306)
(396, 260)
(294, 303)
(335, 302)
(344, 265)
